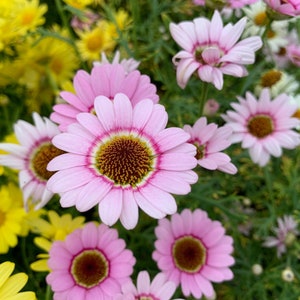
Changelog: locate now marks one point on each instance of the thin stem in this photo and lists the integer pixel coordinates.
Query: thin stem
(48, 295)
(60, 11)
(203, 97)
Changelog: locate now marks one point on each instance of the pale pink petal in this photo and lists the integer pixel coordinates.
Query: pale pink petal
(110, 206)
(129, 215)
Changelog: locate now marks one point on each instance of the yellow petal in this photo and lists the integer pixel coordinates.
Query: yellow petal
(13, 285)
(40, 266)
(6, 269)
(23, 296)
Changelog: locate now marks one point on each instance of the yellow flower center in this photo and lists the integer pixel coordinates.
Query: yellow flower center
(126, 160)
(94, 42)
(200, 152)
(189, 254)
(2, 217)
(27, 17)
(56, 65)
(40, 159)
(145, 297)
(260, 19)
(270, 78)
(297, 114)
(89, 268)
(271, 34)
(260, 126)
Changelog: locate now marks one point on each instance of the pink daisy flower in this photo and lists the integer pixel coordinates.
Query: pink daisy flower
(287, 7)
(210, 140)
(92, 263)
(212, 50)
(263, 126)
(193, 251)
(31, 158)
(123, 158)
(293, 53)
(286, 234)
(159, 289)
(104, 80)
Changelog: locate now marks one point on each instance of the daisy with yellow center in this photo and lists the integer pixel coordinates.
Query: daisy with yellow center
(30, 15)
(264, 125)
(79, 4)
(278, 82)
(31, 157)
(19, 17)
(10, 285)
(92, 42)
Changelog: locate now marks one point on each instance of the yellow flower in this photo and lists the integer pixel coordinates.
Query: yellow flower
(17, 18)
(30, 15)
(43, 64)
(79, 4)
(121, 20)
(56, 229)
(11, 285)
(92, 43)
(11, 218)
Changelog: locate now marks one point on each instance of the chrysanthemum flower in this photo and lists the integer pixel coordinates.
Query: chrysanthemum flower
(92, 42)
(104, 80)
(286, 233)
(159, 289)
(264, 126)
(209, 141)
(31, 158)
(79, 4)
(92, 263)
(212, 50)
(287, 7)
(123, 158)
(193, 251)
(10, 285)
(11, 218)
(29, 15)
(55, 229)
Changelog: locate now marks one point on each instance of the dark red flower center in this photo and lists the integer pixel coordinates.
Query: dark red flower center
(189, 254)
(89, 268)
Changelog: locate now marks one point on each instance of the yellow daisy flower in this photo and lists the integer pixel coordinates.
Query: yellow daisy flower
(11, 218)
(92, 43)
(17, 18)
(31, 216)
(79, 4)
(11, 285)
(57, 228)
(121, 21)
(30, 15)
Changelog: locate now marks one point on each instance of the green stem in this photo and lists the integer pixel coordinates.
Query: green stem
(60, 11)
(203, 97)
(268, 181)
(48, 295)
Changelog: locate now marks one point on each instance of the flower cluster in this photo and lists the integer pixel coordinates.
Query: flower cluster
(146, 150)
